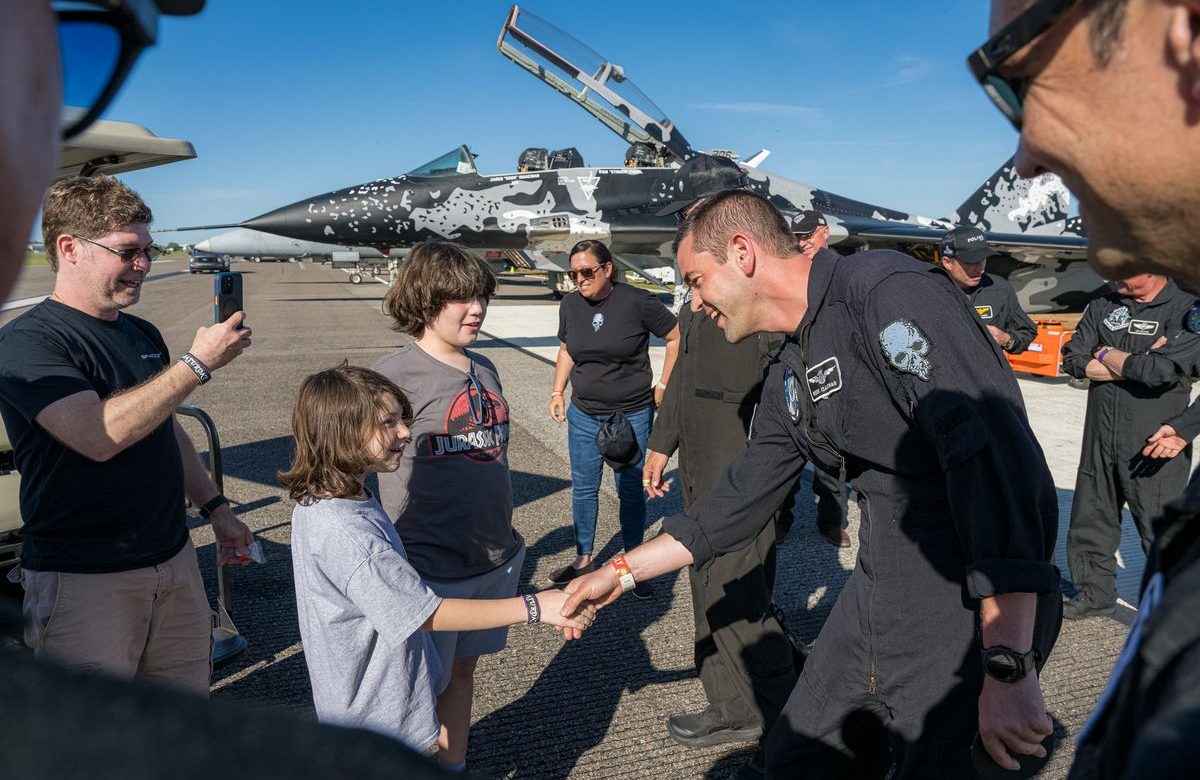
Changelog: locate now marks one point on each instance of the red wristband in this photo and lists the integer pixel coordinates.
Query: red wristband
(624, 573)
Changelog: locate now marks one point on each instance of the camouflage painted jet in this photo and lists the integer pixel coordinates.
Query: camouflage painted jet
(533, 216)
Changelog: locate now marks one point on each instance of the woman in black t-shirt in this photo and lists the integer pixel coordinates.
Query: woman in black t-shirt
(604, 335)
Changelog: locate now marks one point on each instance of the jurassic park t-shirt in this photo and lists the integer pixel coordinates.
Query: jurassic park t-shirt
(451, 498)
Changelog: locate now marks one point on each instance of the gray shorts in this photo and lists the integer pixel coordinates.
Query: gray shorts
(499, 583)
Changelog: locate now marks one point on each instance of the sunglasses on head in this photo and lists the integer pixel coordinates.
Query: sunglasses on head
(585, 273)
(97, 48)
(1009, 93)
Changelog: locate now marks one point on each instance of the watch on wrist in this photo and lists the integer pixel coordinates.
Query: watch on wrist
(213, 505)
(1007, 665)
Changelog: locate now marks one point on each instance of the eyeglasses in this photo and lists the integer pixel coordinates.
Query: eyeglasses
(151, 253)
(1009, 93)
(97, 49)
(585, 273)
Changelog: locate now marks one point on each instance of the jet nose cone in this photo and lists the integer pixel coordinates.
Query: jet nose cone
(204, 246)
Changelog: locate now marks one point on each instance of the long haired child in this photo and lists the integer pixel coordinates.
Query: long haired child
(364, 612)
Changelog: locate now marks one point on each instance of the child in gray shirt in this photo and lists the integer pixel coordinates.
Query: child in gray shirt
(364, 612)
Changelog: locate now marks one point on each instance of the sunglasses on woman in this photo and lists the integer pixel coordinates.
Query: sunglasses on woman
(584, 273)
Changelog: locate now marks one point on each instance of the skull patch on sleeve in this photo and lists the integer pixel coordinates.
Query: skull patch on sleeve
(906, 348)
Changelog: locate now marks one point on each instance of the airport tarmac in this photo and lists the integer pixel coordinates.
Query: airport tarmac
(542, 709)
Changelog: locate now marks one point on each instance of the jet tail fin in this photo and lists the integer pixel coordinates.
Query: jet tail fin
(1006, 203)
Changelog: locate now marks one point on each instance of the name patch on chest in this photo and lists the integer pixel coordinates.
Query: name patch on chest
(824, 379)
(1143, 327)
(984, 312)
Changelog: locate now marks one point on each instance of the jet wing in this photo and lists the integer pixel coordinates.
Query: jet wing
(598, 86)
(1064, 245)
(118, 147)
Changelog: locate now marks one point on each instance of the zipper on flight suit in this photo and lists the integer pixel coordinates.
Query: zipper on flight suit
(822, 443)
(872, 677)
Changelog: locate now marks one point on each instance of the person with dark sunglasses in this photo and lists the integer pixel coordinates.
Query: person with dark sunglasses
(604, 337)
(1106, 94)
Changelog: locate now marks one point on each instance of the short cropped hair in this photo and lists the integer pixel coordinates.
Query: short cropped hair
(434, 274)
(336, 414)
(1104, 31)
(89, 206)
(716, 218)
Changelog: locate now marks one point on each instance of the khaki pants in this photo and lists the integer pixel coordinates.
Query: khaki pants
(152, 623)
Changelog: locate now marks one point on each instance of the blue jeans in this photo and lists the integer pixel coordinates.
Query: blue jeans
(587, 466)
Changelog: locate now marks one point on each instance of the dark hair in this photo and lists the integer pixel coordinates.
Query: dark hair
(335, 416)
(716, 218)
(598, 250)
(89, 206)
(434, 274)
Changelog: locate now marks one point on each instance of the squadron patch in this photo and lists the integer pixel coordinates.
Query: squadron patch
(824, 379)
(791, 393)
(1118, 318)
(1143, 327)
(984, 312)
(906, 347)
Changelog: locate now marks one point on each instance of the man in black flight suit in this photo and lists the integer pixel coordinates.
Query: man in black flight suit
(888, 374)
(742, 655)
(812, 232)
(963, 254)
(1133, 347)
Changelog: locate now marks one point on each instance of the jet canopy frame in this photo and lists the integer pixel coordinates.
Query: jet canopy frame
(597, 85)
(453, 163)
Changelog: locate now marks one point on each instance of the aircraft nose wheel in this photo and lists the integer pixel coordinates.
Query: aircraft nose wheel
(356, 278)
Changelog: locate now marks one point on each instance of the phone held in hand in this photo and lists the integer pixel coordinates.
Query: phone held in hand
(227, 295)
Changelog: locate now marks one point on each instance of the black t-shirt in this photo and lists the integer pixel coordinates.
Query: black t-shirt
(608, 340)
(81, 515)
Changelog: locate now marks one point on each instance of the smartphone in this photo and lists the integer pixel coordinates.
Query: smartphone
(228, 295)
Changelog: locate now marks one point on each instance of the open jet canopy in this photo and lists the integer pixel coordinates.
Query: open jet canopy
(598, 86)
(453, 163)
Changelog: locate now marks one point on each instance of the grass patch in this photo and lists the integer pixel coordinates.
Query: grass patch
(35, 259)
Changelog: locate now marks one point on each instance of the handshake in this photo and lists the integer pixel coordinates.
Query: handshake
(573, 609)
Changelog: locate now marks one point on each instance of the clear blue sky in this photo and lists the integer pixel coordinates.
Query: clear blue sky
(285, 99)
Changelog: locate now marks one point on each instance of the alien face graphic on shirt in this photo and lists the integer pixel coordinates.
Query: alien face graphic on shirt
(597, 322)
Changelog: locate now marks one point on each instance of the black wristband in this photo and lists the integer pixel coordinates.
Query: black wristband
(532, 609)
(198, 368)
(213, 505)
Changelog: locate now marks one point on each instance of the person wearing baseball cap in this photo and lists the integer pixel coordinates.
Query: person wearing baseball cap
(701, 176)
(743, 657)
(963, 254)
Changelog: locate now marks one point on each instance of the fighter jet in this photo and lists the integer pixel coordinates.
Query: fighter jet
(532, 217)
(256, 245)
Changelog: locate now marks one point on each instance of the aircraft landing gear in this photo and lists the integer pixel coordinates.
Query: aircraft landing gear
(356, 278)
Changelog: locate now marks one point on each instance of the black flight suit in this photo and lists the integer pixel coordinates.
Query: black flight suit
(743, 658)
(1148, 730)
(996, 304)
(1121, 415)
(891, 375)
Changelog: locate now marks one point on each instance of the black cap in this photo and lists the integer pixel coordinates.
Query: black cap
(807, 222)
(616, 441)
(701, 176)
(966, 244)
